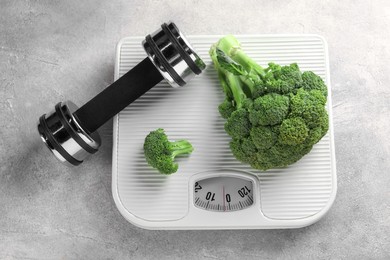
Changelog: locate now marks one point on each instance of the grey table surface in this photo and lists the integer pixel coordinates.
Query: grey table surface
(58, 50)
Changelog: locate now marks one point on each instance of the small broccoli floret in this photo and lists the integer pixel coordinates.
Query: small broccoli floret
(269, 109)
(291, 75)
(309, 105)
(274, 115)
(235, 147)
(277, 86)
(160, 152)
(226, 108)
(243, 149)
(312, 81)
(316, 133)
(238, 125)
(293, 131)
(263, 137)
(279, 79)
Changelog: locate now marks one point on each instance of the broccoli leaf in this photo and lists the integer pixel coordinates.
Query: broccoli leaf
(229, 65)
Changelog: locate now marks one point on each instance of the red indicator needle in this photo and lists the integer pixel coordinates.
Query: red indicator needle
(223, 198)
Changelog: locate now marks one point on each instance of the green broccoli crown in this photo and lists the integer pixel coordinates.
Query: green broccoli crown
(275, 114)
(160, 153)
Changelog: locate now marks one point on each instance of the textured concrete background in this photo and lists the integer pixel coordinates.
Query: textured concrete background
(58, 50)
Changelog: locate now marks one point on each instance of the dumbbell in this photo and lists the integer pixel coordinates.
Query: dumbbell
(71, 133)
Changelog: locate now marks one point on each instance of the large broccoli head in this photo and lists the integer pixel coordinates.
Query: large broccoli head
(274, 115)
(160, 152)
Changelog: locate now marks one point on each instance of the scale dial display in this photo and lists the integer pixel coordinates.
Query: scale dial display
(223, 193)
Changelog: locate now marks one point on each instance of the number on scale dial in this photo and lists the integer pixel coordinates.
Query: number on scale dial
(223, 193)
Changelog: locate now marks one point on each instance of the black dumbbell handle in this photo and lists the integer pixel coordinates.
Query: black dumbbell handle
(118, 95)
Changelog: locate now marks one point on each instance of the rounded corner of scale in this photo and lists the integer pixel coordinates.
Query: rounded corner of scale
(319, 215)
(320, 38)
(125, 213)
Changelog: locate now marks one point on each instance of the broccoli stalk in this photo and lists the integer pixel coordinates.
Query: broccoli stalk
(180, 147)
(160, 153)
(229, 74)
(232, 47)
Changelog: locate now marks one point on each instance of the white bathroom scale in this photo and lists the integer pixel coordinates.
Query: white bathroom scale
(211, 189)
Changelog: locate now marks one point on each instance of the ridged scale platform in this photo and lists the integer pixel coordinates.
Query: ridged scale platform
(291, 197)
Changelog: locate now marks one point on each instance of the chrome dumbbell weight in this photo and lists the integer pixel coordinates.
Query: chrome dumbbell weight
(70, 132)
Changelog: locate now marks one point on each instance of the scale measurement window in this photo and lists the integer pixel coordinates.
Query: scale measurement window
(223, 194)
